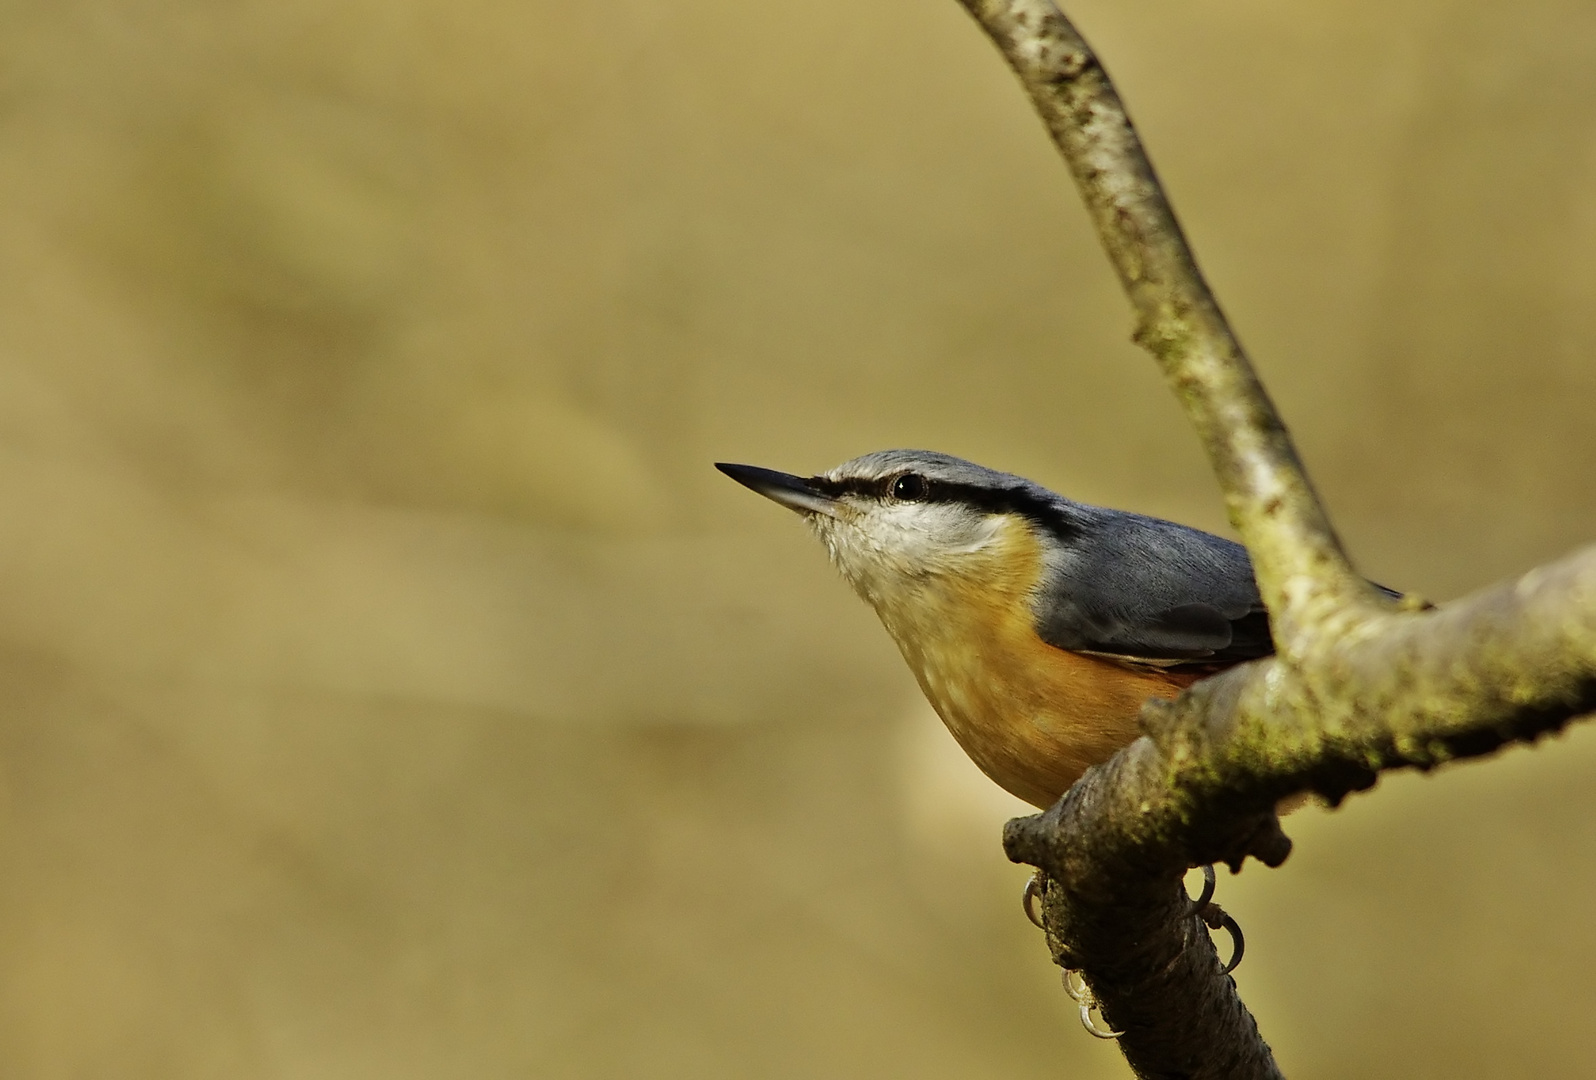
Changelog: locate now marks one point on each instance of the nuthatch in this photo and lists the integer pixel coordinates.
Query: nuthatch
(1037, 626)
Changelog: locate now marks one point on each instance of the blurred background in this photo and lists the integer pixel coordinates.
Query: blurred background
(388, 686)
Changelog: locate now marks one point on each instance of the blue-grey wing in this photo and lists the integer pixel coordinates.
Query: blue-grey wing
(1149, 591)
(1152, 591)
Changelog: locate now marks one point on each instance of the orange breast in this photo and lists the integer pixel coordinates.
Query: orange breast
(1032, 716)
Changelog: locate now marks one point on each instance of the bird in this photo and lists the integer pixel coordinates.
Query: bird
(1036, 626)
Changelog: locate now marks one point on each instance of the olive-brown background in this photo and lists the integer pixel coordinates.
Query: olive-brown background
(388, 687)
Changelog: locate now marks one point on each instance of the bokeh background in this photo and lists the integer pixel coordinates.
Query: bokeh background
(388, 686)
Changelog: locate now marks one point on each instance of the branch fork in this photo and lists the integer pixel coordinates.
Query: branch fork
(1360, 684)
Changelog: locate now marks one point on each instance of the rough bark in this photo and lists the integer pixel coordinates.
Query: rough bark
(1359, 684)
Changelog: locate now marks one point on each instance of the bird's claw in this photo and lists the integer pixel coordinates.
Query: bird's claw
(1075, 986)
(1033, 889)
(1216, 918)
(1210, 883)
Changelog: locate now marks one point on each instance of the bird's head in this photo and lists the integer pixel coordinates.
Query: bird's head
(901, 522)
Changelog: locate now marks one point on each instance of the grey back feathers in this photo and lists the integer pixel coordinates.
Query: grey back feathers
(1148, 589)
(1119, 584)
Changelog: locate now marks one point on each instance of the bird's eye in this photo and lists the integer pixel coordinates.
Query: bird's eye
(908, 488)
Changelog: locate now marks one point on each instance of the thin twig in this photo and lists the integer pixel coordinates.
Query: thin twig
(1300, 564)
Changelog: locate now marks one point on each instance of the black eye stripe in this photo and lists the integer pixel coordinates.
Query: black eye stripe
(850, 485)
(1022, 501)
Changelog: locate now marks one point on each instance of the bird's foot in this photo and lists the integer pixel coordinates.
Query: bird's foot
(1216, 918)
(1075, 986)
(1202, 906)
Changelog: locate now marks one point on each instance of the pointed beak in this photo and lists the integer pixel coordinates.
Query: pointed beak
(793, 492)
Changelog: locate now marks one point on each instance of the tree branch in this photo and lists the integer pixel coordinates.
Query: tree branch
(1300, 563)
(1358, 686)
